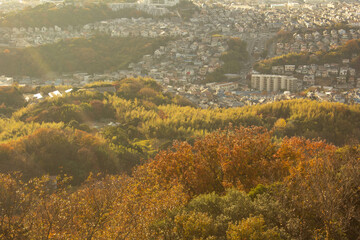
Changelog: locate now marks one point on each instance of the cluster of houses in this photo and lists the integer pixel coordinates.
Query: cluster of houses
(198, 43)
(188, 59)
(135, 27)
(335, 74)
(73, 79)
(329, 94)
(33, 98)
(152, 7)
(214, 95)
(194, 52)
(226, 17)
(210, 20)
(228, 94)
(11, 6)
(34, 36)
(287, 16)
(20, 37)
(316, 40)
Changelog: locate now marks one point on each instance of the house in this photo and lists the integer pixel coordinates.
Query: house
(324, 74)
(54, 94)
(346, 61)
(352, 71)
(289, 68)
(341, 80)
(358, 82)
(226, 86)
(343, 71)
(333, 71)
(38, 96)
(309, 79)
(277, 69)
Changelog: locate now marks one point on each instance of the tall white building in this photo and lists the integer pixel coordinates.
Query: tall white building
(274, 83)
(160, 2)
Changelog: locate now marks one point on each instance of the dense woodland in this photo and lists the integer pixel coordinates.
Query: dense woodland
(240, 173)
(306, 58)
(232, 184)
(93, 55)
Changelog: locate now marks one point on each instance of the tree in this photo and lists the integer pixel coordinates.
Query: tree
(252, 228)
(323, 190)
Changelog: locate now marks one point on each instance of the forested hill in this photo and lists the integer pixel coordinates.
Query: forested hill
(49, 15)
(96, 54)
(116, 172)
(154, 116)
(346, 51)
(231, 185)
(137, 119)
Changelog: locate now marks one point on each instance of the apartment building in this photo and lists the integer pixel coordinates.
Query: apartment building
(274, 83)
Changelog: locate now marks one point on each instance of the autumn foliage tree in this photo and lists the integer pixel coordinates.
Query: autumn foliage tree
(233, 184)
(236, 157)
(324, 191)
(54, 151)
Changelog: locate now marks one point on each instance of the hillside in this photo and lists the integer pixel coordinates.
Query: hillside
(232, 184)
(49, 15)
(92, 55)
(154, 116)
(93, 165)
(346, 51)
(138, 120)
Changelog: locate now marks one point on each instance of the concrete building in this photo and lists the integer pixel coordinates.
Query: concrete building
(273, 83)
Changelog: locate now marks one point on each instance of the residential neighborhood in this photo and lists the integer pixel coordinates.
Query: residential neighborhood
(316, 40)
